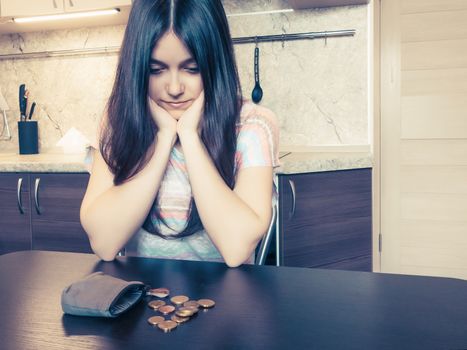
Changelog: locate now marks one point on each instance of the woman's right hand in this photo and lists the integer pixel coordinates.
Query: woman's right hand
(164, 121)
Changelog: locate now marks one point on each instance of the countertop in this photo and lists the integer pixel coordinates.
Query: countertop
(50, 162)
(307, 162)
(296, 160)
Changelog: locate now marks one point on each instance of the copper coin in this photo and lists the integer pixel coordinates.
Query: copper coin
(179, 319)
(195, 309)
(206, 303)
(184, 312)
(166, 309)
(179, 299)
(154, 320)
(155, 304)
(159, 292)
(167, 326)
(191, 303)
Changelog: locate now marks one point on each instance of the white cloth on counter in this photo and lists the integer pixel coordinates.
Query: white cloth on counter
(73, 142)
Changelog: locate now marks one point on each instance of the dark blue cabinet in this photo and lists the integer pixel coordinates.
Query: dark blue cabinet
(41, 211)
(325, 220)
(15, 213)
(56, 201)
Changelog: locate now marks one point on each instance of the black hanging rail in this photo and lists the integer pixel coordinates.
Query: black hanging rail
(293, 36)
(241, 40)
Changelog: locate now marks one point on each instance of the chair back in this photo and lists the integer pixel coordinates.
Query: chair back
(263, 249)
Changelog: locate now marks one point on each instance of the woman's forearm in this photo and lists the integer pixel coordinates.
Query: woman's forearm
(233, 226)
(112, 217)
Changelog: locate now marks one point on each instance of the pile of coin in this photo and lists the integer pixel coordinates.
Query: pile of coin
(181, 310)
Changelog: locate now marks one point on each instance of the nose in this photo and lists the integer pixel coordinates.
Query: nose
(175, 87)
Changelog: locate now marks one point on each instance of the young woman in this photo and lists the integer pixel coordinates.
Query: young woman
(184, 168)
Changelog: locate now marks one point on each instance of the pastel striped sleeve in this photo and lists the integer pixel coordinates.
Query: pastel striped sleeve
(257, 142)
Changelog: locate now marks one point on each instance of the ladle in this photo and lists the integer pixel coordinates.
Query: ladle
(257, 93)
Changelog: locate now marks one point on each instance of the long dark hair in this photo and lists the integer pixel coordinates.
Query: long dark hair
(130, 130)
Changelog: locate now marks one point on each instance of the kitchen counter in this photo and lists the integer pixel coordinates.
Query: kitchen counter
(295, 161)
(43, 162)
(308, 162)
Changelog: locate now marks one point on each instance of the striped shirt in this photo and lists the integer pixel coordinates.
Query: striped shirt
(257, 145)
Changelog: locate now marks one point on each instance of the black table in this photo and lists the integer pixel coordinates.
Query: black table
(258, 307)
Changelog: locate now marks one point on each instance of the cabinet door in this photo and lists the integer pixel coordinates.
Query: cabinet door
(11, 8)
(15, 213)
(56, 201)
(90, 5)
(325, 220)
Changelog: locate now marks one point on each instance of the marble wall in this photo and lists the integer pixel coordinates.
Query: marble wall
(317, 88)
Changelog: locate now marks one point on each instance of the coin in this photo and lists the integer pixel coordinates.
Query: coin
(154, 320)
(179, 319)
(166, 309)
(155, 304)
(191, 303)
(159, 292)
(195, 309)
(179, 299)
(206, 303)
(184, 312)
(167, 326)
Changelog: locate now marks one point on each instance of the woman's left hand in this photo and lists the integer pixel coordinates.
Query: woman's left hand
(190, 121)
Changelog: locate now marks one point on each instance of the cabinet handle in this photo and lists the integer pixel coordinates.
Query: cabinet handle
(36, 196)
(55, 4)
(292, 188)
(18, 191)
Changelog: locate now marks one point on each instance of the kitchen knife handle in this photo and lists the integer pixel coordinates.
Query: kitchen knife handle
(18, 192)
(31, 112)
(22, 106)
(36, 196)
(292, 188)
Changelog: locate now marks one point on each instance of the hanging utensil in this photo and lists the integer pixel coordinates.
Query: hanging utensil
(257, 93)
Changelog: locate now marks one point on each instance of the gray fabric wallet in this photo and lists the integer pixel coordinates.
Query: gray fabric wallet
(101, 295)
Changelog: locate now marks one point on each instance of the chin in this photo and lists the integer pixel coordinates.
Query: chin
(176, 114)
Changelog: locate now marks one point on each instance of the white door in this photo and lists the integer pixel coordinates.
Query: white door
(424, 137)
(21, 8)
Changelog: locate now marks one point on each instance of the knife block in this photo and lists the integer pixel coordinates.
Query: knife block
(28, 137)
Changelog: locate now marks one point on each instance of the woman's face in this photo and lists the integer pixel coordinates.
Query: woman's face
(175, 81)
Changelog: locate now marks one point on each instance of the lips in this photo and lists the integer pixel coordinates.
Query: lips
(178, 105)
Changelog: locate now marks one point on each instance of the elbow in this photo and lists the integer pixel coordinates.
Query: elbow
(237, 258)
(103, 254)
(102, 250)
(239, 252)
(233, 262)
(106, 258)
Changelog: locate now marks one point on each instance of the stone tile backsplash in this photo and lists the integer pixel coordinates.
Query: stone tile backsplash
(317, 88)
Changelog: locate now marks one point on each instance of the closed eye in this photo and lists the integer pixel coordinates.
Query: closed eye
(157, 71)
(193, 70)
